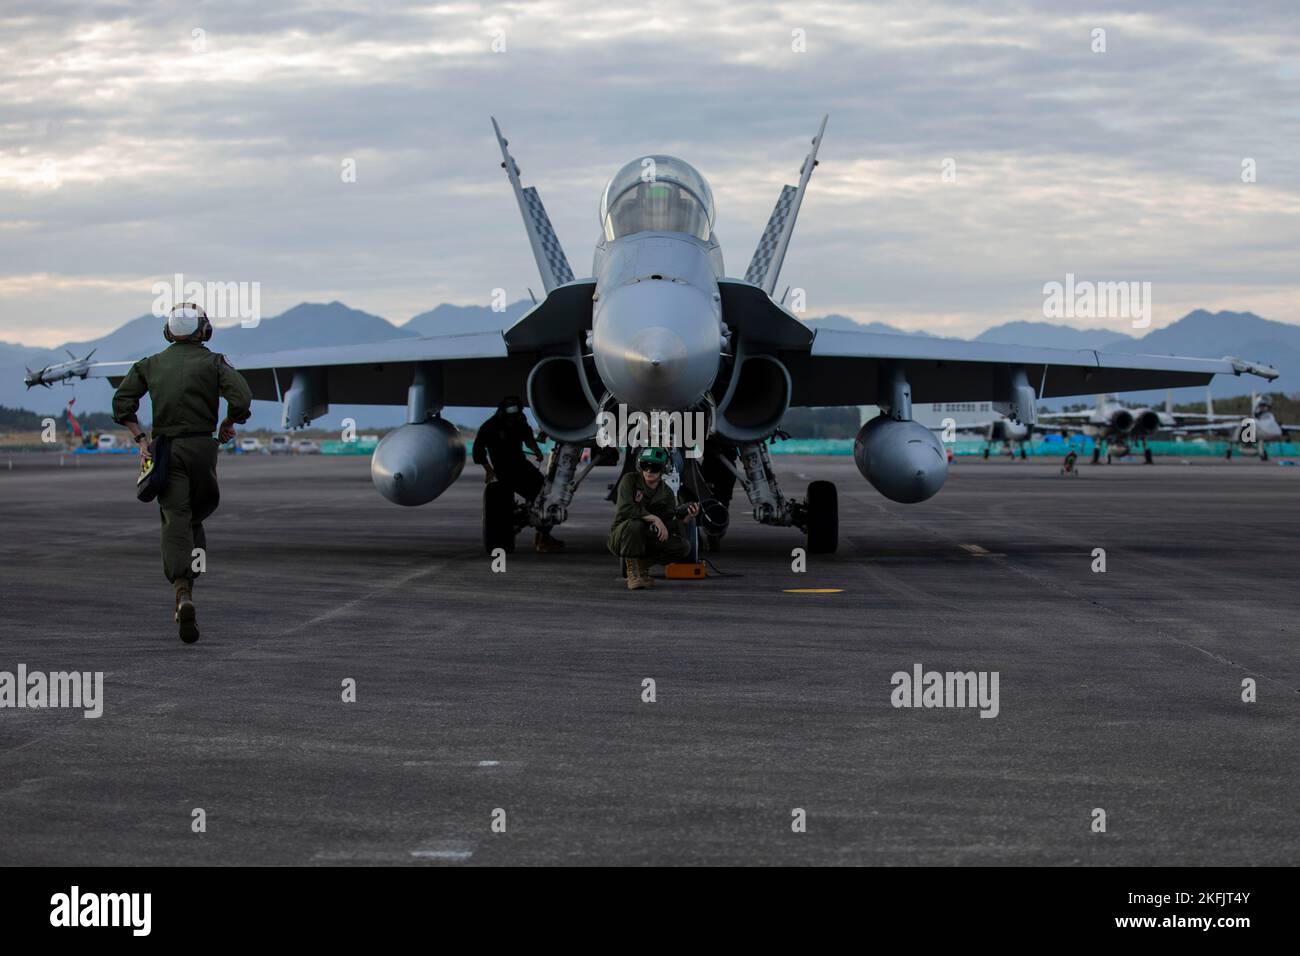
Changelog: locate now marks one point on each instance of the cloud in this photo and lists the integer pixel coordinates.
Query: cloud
(133, 147)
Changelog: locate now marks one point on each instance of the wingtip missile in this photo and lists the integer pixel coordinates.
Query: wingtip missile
(1242, 367)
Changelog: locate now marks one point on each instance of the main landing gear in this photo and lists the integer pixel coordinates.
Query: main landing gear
(817, 516)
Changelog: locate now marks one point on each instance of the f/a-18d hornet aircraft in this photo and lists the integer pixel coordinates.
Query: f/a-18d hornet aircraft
(659, 327)
(1115, 426)
(1253, 433)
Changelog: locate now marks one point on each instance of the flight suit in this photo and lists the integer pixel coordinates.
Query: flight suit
(185, 383)
(632, 536)
(500, 441)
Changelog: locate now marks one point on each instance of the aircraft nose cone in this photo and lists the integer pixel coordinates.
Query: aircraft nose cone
(656, 344)
(655, 357)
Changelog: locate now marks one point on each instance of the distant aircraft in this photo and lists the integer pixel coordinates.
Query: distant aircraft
(62, 372)
(1266, 428)
(1001, 431)
(1115, 426)
(659, 327)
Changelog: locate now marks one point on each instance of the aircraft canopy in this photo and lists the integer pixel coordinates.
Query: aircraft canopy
(659, 193)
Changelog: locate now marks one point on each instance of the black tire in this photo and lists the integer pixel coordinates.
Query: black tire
(1146, 456)
(823, 517)
(1263, 452)
(498, 518)
(986, 454)
(1024, 455)
(1096, 455)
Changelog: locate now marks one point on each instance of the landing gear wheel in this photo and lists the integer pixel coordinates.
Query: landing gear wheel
(1146, 456)
(498, 518)
(823, 517)
(1096, 456)
(986, 454)
(1024, 455)
(1229, 455)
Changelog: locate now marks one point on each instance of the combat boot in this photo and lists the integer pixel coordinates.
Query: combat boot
(186, 615)
(543, 543)
(633, 568)
(643, 573)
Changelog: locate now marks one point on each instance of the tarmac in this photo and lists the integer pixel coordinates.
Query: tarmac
(516, 699)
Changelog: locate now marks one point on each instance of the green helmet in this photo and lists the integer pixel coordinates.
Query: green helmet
(656, 456)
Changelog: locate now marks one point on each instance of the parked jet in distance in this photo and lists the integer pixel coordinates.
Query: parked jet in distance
(1007, 434)
(660, 327)
(1115, 426)
(1264, 424)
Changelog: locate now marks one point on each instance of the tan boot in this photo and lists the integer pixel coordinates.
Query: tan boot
(643, 572)
(634, 582)
(186, 616)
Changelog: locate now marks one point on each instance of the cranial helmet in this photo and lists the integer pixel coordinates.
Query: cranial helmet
(187, 321)
(511, 405)
(654, 456)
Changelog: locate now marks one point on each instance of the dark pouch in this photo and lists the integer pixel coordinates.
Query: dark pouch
(153, 472)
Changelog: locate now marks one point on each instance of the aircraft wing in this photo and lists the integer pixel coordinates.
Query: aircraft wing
(1230, 427)
(1066, 416)
(846, 368)
(1220, 428)
(473, 368)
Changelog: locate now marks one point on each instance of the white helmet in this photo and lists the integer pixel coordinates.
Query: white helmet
(186, 320)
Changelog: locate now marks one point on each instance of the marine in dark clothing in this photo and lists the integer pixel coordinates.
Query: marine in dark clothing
(185, 383)
(720, 478)
(499, 448)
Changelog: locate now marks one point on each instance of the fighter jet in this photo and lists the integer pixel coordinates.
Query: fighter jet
(1001, 432)
(659, 326)
(1116, 427)
(62, 372)
(1250, 433)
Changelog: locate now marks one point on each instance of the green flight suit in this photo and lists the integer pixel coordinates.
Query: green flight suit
(185, 383)
(632, 536)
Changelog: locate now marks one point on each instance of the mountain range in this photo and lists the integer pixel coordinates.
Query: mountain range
(1199, 334)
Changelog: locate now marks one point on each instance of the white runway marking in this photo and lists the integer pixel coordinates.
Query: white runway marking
(442, 854)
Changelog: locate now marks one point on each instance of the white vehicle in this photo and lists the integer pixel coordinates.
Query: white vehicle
(281, 445)
(106, 442)
(251, 446)
(305, 446)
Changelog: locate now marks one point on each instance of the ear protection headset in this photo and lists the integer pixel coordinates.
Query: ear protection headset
(203, 331)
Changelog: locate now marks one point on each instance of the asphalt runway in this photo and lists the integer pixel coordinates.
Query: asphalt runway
(522, 691)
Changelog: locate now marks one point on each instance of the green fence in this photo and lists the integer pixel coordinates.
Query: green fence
(1050, 449)
(844, 446)
(347, 447)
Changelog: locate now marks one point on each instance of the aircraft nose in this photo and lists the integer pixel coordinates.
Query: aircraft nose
(656, 344)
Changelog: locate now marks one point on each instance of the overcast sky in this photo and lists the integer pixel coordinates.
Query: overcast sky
(132, 148)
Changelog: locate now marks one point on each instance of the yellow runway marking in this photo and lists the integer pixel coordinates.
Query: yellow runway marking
(814, 590)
